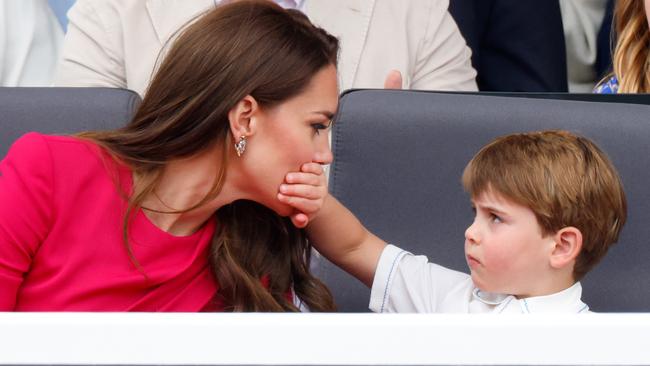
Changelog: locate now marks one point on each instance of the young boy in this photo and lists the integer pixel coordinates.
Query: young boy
(548, 206)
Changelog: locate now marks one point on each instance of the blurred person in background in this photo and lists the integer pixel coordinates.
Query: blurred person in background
(30, 42)
(60, 9)
(606, 42)
(631, 57)
(517, 45)
(408, 43)
(583, 21)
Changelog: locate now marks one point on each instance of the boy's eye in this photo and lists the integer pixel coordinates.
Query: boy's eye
(494, 218)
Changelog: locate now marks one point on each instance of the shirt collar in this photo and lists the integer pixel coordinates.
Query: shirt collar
(565, 301)
(489, 298)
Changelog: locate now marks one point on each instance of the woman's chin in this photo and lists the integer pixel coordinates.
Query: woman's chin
(282, 209)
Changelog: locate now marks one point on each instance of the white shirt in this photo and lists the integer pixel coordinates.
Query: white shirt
(405, 283)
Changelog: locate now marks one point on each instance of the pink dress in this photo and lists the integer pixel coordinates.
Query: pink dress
(61, 246)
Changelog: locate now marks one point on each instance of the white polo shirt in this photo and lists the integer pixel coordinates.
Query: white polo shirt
(405, 283)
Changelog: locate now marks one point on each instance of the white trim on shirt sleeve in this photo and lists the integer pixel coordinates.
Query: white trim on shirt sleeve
(384, 275)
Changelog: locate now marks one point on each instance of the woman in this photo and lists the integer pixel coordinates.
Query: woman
(631, 58)
(134, 219)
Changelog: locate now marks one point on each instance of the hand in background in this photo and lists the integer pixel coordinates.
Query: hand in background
(393, 80)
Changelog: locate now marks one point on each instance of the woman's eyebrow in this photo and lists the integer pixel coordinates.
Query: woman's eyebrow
(327, 114)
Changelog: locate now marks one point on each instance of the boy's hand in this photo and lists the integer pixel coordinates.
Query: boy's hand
(305, 192)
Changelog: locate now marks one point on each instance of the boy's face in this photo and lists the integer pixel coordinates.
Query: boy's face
(505, 249)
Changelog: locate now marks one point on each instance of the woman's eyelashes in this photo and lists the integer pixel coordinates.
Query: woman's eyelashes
(320, 126)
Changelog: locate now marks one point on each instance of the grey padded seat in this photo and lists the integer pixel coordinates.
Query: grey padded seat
(585, 97)
(61, 111)
(399, 155)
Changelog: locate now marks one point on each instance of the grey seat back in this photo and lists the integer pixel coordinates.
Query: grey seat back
(62, 110)
(399, 156)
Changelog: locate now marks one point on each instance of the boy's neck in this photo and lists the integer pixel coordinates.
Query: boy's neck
(552, 285)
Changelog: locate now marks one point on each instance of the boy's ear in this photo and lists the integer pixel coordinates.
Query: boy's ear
(242, 117)
(567, 246)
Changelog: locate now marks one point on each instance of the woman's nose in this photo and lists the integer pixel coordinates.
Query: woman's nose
(324, 153)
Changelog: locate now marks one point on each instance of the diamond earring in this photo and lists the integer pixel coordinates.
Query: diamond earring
(240, 146)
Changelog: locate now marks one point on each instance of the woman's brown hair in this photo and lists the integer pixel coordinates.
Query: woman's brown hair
(240, 48)
(631, 59)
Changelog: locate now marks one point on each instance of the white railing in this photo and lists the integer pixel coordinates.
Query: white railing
(322, 339)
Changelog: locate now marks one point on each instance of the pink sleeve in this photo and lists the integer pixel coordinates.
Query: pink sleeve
(25, 211)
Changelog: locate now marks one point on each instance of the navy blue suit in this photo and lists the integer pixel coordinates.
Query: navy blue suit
(517, 45)
(605, 41)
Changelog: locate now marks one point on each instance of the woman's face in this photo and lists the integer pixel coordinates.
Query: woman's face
(646, 3)
(289, 135)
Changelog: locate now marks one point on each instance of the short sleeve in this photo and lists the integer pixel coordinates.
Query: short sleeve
(405, 283)
(26, 211)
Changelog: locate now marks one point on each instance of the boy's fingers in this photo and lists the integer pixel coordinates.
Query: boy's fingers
(301, 204)
(299, 220)
(303, 190)
(314, 168)
(305, 178)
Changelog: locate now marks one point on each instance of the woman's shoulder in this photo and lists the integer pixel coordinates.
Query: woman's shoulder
(60, 151)
(38, 143)
(66, 164)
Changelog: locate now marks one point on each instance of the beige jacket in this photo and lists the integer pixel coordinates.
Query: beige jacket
(116, 43)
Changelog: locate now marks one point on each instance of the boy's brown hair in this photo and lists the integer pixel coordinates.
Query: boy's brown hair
(565, 179)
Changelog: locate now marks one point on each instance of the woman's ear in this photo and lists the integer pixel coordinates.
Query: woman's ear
(567, 246)
(242, 117)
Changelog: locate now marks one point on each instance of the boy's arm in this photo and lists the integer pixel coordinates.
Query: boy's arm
(337, 234)
(332, 228)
